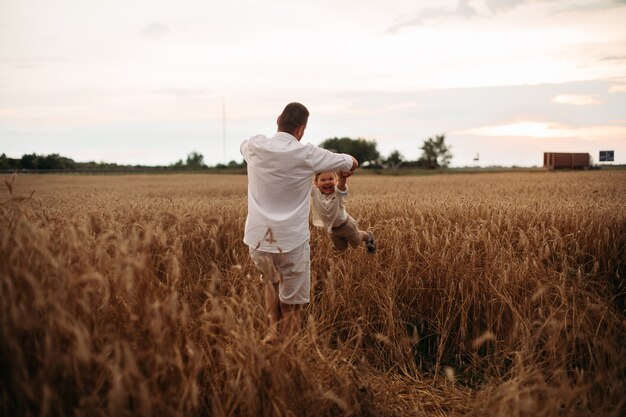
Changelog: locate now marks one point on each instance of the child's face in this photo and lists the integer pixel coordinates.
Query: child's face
(326, 182)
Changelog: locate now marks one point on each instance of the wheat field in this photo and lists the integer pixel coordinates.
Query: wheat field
(490, 295)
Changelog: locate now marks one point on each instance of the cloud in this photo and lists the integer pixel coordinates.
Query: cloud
(463, 10)
(26, 63)
(590, 6)
(417, 20)
(532, 129)
(184, 92)
(576, 99)
(618, 58)
(401, 106)
(617, 88)
(496, 6)
(519, 129)
(155, 30)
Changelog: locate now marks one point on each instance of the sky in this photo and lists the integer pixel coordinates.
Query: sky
(148, 81)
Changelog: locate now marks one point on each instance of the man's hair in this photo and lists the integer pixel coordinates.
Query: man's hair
(293, 116)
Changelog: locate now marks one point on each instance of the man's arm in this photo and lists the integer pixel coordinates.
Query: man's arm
(243, 148)
(324, 160)
(355, 164)
(346, 174)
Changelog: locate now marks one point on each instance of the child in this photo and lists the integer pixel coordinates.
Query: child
(328, 211)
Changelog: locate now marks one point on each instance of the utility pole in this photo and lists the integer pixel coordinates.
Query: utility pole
(224, 130)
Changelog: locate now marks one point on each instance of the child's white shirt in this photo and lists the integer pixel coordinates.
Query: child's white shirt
(328, 210)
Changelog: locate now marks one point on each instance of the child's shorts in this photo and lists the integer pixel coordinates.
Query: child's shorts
(347, 233)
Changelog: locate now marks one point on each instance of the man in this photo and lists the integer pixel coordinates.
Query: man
(280, 174)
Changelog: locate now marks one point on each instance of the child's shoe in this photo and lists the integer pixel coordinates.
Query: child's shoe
(370, 243)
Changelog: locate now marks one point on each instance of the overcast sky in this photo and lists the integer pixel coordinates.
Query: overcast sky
(147, 81)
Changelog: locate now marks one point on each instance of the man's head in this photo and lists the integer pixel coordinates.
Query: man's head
(293, 120)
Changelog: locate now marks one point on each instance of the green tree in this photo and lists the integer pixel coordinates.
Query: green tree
(4, 162)
(394, 160)
(363, 150)
(195, 160)
(29, 161)
(55, 161)
(435, 152)
(178, 164)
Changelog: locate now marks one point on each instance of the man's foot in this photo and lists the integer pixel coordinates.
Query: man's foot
(271, 339)
(370, 243)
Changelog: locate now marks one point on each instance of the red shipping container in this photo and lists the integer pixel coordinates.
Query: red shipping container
(564, 160)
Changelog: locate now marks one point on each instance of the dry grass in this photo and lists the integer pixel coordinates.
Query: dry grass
(494, 294)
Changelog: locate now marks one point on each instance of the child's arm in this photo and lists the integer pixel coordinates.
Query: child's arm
(342, 186)
(341, 183)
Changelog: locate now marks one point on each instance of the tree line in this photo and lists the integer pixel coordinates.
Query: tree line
(56, 162)
(435, 154)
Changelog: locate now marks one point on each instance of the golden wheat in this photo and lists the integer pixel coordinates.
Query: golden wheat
(491, 294)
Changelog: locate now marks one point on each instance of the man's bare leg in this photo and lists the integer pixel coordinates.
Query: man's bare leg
(272, 311)
(291, 321)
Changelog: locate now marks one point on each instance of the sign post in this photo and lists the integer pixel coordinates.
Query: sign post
(607, 156)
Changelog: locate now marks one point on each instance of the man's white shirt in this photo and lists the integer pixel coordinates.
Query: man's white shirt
(280, 179)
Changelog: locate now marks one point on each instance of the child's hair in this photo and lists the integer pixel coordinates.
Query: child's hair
(317, 174)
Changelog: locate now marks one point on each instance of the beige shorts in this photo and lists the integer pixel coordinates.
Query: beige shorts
(291, 270)
(346, 234)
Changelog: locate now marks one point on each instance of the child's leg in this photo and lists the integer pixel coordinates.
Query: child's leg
(370, 243)
(339, 243)
(354, 236)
